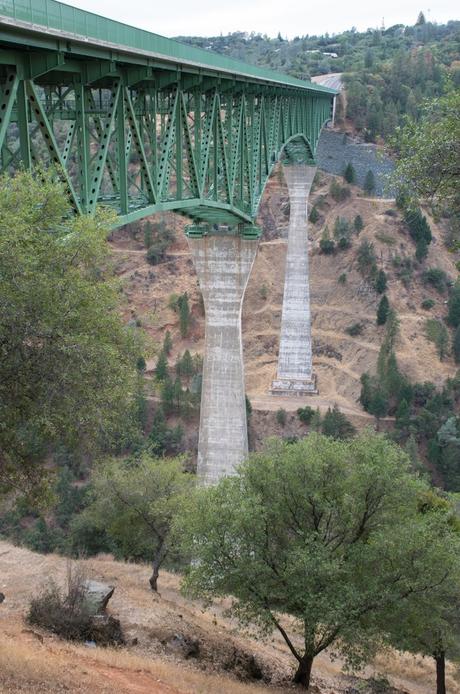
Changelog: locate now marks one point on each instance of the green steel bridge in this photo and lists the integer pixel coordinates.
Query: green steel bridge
(143, 123)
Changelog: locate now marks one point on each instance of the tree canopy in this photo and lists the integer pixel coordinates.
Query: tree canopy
(328, 532)
(67, 363)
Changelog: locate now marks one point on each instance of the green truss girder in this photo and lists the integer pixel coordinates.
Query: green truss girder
(143, 140)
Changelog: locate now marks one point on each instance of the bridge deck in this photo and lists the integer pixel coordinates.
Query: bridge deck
(48, 19)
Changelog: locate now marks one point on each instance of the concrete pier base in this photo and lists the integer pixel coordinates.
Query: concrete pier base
(295, 374)
(223, 265)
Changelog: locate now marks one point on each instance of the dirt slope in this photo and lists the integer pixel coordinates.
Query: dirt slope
(339, 360)
(34, 661)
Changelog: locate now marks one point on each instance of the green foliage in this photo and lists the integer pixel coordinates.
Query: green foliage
(383, 310)
(341, 228)
(326, 244)
(380, 283)
(427, 304)
(336, 425)
(164, 440)
(314, 215)
(184, 314)
(167, 344)
(300, 529)
(157, 238)
(342, 278)
(428, 154)
(305, 414)
(148, 235)
(263, 292)
(281, 417)
(135, 502)
(437, 332)
(68, 364)
(419, 230)
(437, 278)
(369, 183)
(453, 315)
(358, 224)
(456, 345)
(354, 329)
(349, 173)
(366, 258)
(161, 368)
(339, 193)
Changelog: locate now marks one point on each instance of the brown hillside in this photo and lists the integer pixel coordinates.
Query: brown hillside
(32, 660)
(339, 360)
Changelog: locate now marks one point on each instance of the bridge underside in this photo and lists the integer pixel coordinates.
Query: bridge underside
(143, 137)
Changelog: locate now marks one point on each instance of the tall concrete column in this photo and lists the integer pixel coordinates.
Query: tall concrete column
(295, 374)
(223, 264)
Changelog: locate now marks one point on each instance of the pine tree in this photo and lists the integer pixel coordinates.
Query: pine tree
(456, 345)
(358, 223)
(369, 183)
(167, 343)
(184, 314)
(380, 282)
(383, 310)
(186, 367)
(168, 395)
(161, 368)
(314, 215)
(349, 173)
(420, 19)
(148, 236)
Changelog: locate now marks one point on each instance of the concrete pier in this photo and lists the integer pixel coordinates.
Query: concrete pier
(223, 265)
(295, 374)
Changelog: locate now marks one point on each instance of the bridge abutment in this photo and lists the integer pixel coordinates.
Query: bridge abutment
(223, 265)
(295, 372)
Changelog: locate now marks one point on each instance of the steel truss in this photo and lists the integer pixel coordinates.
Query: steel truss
(143, 139)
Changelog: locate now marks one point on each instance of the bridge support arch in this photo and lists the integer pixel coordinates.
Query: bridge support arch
(223, 264)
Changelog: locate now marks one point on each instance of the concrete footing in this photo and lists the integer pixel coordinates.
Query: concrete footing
(295, 374)
(223, 265)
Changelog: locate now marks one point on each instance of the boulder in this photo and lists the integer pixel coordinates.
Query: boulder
(97, 595)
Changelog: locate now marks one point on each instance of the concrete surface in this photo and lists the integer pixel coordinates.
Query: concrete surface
(223, 265)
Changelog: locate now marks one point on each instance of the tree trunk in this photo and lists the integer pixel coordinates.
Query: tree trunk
(303, 674)
(440, 659)
(158, 559)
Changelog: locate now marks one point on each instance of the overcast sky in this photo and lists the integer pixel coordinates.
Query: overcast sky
(290, 17)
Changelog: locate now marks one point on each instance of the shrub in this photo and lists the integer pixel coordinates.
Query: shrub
(281, 417)
(156, 252)
(342, 278)
(349, 173)
(73, 615)
(314, 215)
(366, 257)
(383, 310)
(427, 304)
(339, 193)
(263, 292)
(369, 183)
(344, 244)
(184, 314)
(355, 329)
(326, 244)
(305, 414)
(437, 278)
(161, 368)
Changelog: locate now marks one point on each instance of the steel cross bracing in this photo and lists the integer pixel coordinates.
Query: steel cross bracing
(143, 138)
